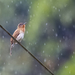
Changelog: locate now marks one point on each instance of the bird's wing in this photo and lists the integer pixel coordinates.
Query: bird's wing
(16, 33)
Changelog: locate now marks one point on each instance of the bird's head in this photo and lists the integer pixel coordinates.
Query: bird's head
(21, 25)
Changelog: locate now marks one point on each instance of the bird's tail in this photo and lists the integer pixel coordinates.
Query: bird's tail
(11, 46)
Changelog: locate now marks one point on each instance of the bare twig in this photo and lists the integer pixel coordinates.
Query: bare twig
(27, 50)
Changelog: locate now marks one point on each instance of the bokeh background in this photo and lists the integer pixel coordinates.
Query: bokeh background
(50, 36)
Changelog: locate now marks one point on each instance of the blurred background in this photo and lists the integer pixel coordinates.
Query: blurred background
(50, 36)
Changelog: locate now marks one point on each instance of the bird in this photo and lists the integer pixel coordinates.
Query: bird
(18, 35)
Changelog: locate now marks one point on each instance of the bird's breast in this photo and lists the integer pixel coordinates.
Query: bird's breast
(20, 36)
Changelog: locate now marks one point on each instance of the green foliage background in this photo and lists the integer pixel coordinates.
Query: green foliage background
(49, 36)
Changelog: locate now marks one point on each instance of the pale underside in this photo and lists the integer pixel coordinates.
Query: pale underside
(19, 37)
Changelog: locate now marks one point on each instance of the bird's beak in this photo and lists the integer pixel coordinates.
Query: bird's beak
(25, 22)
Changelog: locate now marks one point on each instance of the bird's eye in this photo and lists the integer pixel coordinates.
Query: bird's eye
(20, 24)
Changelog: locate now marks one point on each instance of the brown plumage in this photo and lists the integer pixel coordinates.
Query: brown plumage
(18, 35)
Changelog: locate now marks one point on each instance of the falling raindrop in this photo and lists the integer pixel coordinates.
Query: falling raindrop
(33, 15)
(31, 2)
(29, 6)
(58, 64)
(59, 10)
(49, 55)
(12, 1)
(22, 63)
(72, 56)
(65, 5)
(27, 32)
(56, 34)
(46, 24)
(40, 74)
(61, 54)
(44, 43)
(28, 9)
(30, 16)
(3, 37)
(6, 21)
(44, 60)
(53, 6)
(58, 46)
(73, 26)
(59, 15)
(3, 68)
(19, 57)
(38, 3)
(0, 55)
(59, 40)
(59, 27)
(58, 58)
(43, 51)
(8, 56)
(35, 65)
(37, 6)
(73, 52)
(15, 72)
(8, 63)
(16, 5)
(53, 30)
(8, 6)
(35, 43)
(4, 63)
(66, 66)
(0, 74)
(11, 69)
(20, 2)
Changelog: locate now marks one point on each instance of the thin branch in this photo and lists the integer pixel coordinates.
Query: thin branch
(27, 50)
